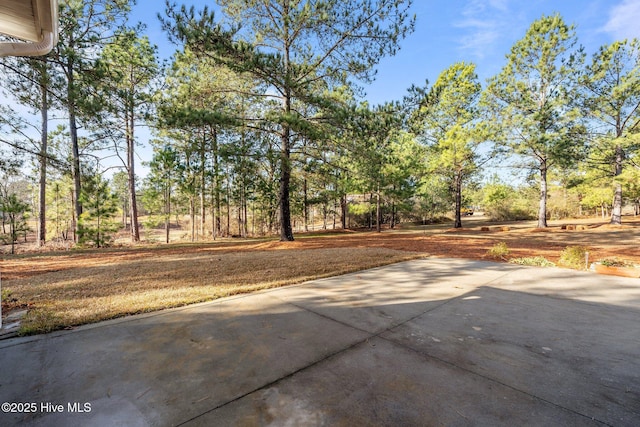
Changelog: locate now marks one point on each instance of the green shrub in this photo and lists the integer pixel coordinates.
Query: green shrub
(5, 295)
(574, 257)
(537, 261)
(507, 213)
(39, 320)
(96, 225)
(502, 202)
(499, 251)
(616, 262)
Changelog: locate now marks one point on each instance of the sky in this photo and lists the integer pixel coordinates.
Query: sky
(449, 31)
(446, 31)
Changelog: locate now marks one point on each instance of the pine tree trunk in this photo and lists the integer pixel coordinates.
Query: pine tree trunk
(616, 212)
(542, 211)
(203, 184)
(228, 203)
(392, 225)
(75, 173)
(98, 228)
(192, 214)
(343, 213)
(245, 211)
(203, 209)
(216, 217)
(167, 212)
(42, 208)
(458, 200)
(12, 229)
(370, 212)
(305, 202)
(135, 229)
(378, 228)
(239, 217)
(286, 232)
(75, 149)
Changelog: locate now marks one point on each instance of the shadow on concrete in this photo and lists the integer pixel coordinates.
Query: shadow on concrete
(430, 342)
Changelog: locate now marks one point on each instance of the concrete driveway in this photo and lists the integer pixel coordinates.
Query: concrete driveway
(437, 342)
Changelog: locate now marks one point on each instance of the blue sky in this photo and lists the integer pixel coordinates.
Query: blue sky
(447, 31)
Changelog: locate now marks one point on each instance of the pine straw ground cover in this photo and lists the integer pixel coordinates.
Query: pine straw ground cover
(65, 289)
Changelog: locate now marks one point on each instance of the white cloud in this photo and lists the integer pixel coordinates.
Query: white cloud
(623, 20)
(483, 23)
(501, 5)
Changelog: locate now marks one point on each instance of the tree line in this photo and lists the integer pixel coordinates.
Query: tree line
(258, 124)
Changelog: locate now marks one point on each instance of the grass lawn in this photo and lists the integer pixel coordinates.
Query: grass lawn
(68, 290)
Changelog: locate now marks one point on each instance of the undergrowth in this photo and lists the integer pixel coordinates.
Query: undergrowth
(536, 261)
(499, 251)
(574, 257)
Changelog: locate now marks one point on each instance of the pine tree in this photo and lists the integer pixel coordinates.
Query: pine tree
(290, 47)
(453, 128)
(96, 224)
(612, 99)
(128, 65)
(532, 100)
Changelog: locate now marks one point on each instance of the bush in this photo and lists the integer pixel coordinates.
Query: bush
(616, 262)
(574, 257)
(537, 261)
(96, 225)
(39, 320)
(5, 295)
(498, 251)
(509, 213)
(502, 202)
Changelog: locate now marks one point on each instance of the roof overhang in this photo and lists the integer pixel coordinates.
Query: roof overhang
(34, 21)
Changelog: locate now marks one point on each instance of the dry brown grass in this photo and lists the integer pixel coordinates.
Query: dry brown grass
(62, 293)
(70, 288)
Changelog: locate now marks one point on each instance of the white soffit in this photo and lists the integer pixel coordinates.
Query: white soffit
(35, 21)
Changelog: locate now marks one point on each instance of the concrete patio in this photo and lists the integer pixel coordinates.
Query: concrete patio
(427, 342)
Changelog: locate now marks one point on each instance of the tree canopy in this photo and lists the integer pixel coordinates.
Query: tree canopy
(258, 125)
